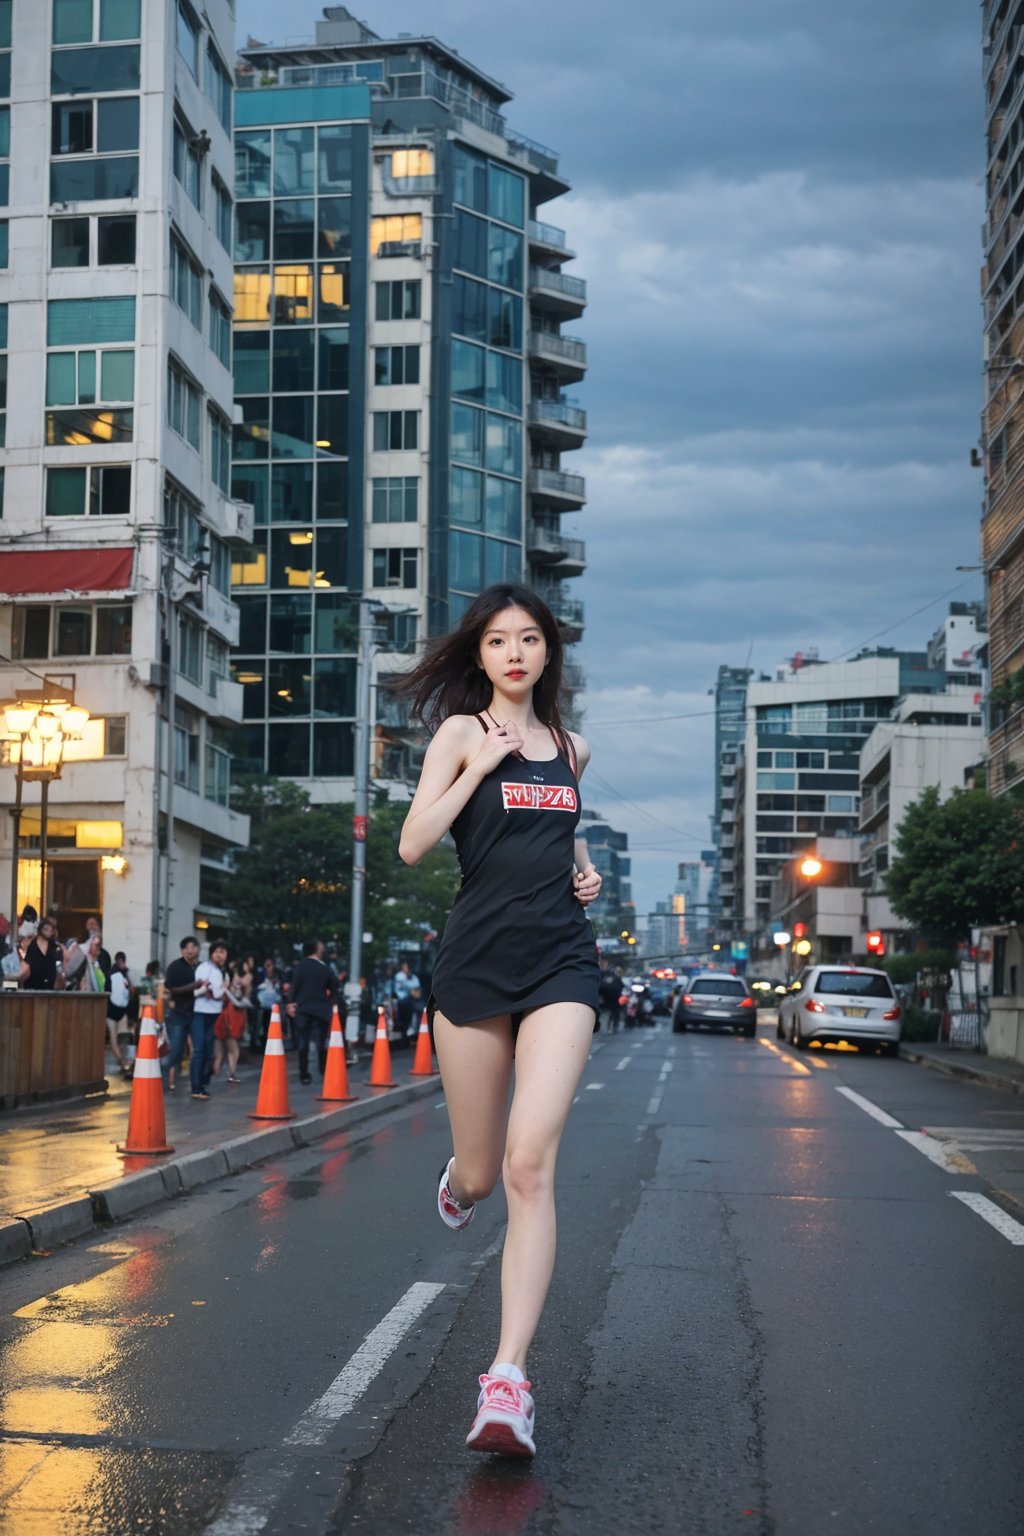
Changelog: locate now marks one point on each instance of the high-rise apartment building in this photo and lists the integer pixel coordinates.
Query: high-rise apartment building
(401, 371)
(1002, 529)
(116, 170)
(725, 918)
(804, 734)
(609, 853)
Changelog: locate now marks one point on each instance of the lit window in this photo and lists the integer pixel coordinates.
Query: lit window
(412, 162)
(396, 229)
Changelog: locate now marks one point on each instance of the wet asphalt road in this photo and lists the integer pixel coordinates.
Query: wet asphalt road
(769, 1316)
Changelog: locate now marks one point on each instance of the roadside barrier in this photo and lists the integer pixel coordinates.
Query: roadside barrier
(336, 1071)
(272, 1099)
(147, 1124)
(380, 1066)
(423, 1063)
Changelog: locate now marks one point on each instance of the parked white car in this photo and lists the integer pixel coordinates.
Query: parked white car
(841, 1002)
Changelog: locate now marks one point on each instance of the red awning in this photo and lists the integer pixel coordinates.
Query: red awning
(33, 572)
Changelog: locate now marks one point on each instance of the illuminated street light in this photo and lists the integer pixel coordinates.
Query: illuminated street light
(811, 868)
(780, 939)
(41, 725)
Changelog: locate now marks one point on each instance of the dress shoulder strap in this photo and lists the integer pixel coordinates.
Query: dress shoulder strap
(482, 723)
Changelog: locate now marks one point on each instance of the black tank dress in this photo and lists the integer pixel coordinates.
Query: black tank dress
(517, 937)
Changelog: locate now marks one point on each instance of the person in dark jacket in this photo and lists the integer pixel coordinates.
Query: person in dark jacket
(313, 993)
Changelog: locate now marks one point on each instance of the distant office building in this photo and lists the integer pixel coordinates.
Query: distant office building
(931, 739)
(609, 853)
(401, 373)
(116, 171)
(960, 644)
(805, 730)
(730, 736)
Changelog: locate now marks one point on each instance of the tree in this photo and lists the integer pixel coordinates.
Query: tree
(959, 864)
(293, 882)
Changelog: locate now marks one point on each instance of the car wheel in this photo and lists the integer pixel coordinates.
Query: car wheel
(780, 1033)
(750, 1031)
(678, 1026)
(890, 1048)
(796, 1038)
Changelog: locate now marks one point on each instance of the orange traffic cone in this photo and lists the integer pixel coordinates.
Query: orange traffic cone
(423, 1063)
(380, 1066)
(147, 1126)
(272, 1099)
(336, 1073)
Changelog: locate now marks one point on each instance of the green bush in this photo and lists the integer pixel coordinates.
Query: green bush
(920, 1023)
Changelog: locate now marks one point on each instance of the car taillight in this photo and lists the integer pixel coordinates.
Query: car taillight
(813, 1006)
(748, 1002)
(893, 1013)
(687, 998)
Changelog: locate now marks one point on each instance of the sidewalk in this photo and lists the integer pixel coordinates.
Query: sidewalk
(61, 1173)
(961, 1061)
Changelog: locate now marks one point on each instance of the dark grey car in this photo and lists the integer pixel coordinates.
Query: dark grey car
(713, 1001)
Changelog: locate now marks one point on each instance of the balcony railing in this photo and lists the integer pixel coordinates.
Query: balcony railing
(563, 283)
(562, 411)
(562, 351)
(555, 482)
(546, 234)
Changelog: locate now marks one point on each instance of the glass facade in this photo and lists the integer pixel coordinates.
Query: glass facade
(301, 237)
(486, 444)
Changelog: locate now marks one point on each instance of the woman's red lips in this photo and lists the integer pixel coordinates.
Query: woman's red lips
(517, 672)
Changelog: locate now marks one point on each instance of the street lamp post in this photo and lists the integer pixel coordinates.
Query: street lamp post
(41, 726)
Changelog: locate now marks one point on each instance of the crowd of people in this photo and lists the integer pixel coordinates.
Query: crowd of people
(210, 1010)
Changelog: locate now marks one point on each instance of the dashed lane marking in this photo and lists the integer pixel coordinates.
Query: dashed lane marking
(996, 1217)
(593, 1087)
(983, 1138)
(936, 1152)
(623, 1063)
(871, 1109)
(655, 1104)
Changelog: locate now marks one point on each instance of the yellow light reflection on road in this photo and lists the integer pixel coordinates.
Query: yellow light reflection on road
(797, 1066)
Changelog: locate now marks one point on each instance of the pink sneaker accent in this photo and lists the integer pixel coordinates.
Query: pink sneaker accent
(504, 1418)
(451, 1212)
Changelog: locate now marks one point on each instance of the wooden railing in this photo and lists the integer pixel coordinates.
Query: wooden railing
(51, 1045)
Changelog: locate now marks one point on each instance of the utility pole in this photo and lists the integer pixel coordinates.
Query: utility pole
(368, 610)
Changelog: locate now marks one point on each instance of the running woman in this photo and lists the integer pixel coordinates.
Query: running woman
(516, 977)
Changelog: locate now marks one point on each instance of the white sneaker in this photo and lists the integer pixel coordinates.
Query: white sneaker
(451, 1212)
(504, 1418)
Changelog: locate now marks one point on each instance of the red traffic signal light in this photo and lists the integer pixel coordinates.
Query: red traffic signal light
(799, 930)
(876, 944)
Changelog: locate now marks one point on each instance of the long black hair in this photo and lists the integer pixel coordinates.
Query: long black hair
(448, 678)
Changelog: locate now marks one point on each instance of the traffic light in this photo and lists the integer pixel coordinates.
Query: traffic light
(876, 944)
(799, 930)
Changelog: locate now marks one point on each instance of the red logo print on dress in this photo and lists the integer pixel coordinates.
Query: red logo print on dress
(539, 797)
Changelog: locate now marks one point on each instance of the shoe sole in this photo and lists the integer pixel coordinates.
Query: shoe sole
(498, 1436)
(451, 1225)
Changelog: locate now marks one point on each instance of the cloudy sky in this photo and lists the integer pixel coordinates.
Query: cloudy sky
(777, 209)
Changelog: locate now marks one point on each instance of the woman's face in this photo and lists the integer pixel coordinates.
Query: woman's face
(513, 651)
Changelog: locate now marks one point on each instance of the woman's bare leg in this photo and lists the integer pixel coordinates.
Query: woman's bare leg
(551, 1052)
(476, 1070)
(232, 1056)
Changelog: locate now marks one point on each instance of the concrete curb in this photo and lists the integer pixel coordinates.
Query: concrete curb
(956, 1068)
(68, 1219)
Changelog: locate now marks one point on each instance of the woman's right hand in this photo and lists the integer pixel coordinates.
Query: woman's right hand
(498, 742)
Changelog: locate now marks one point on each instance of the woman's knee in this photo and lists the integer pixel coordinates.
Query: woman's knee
(528, 1172)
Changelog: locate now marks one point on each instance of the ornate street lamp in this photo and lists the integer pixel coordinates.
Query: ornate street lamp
(41, 723)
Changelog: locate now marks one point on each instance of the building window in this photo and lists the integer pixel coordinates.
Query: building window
(188, 165)
(224, 216)
(100, 21)
(183, 405)
(218, 86)
(186, 749)
(190, 649)
(398, 300)
(396, 365)
(107, 241)
(395, 430)
(394, 233)
(106, 127)
(220, 329)
(220, 451)
(407, 163)
(4, 245)
(395, 567)
(101, 380)
(217, 778)
(95, 490)
(220, 581)
(181, 522)
(89, 322)
(186, 283)
(41, 632)
(188, 38)
(395, 499)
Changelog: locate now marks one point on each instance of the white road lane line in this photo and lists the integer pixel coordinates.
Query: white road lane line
(654, 1105)
(638, 1045)
(936, 1152)
(872, 1109)
(666, 1068)
(367, 1362)
(993, 1214)
(593, 1087)
(623, 1063)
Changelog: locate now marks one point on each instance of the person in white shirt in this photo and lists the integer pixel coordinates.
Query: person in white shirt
(209, 1001)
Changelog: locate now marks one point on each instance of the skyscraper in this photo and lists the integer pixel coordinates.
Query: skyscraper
(400, 370)
(115, 292)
